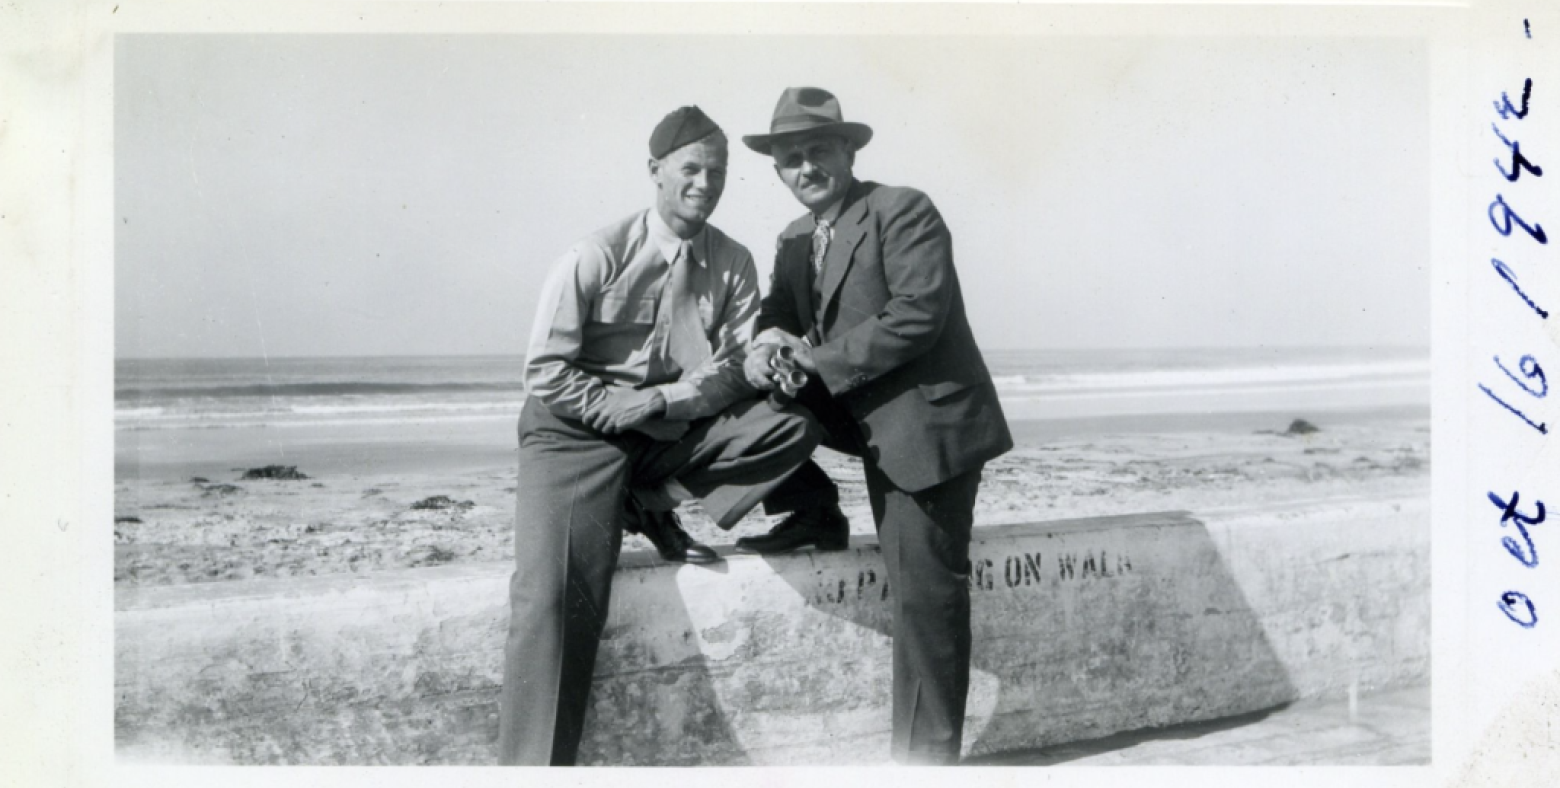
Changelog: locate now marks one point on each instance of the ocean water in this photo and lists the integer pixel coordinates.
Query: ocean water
(156, 394)
(176, 418)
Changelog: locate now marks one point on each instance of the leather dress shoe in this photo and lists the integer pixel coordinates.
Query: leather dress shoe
(824, 529)
(665, 531)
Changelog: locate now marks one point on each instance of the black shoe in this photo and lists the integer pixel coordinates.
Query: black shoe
(824, 529)
(665, 531)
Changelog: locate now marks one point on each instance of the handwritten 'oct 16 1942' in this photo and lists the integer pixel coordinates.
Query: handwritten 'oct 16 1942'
(1526, 382)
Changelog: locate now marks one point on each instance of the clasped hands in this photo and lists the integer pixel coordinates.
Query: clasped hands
(640, 409)
(630, 409)
(758, 367)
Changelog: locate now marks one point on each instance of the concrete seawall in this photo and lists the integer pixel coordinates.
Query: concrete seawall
(1082, 628)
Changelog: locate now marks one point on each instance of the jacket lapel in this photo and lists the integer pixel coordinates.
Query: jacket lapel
(848, 232)
(794, 253)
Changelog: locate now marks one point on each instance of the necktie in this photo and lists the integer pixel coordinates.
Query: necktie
(820, 246)
(686, 342)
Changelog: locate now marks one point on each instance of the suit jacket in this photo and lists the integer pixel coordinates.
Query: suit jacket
(891, 339)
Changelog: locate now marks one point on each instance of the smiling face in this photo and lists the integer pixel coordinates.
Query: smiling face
(815, 167)
(688, 184)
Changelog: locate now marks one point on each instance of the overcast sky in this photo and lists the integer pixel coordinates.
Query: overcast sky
(403, 195)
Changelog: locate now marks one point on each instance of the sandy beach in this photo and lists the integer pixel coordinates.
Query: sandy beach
(183, 514)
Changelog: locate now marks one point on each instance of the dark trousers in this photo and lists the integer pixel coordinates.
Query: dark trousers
(568, 499)
(925, 539)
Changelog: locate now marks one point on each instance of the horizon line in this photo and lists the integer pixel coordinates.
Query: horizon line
(1162, 348)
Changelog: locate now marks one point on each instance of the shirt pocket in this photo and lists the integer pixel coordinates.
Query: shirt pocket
(613, 308)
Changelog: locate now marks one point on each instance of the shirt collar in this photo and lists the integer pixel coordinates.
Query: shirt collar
(832, 213)
(664, 238)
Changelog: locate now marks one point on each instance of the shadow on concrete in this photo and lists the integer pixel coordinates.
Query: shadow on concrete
(1081, 629)
(655, 681)
(1063, 753)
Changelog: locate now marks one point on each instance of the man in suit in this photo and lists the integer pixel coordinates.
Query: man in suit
(637, 400)
(865, 293)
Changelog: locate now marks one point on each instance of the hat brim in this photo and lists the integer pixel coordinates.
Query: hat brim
(858, 133)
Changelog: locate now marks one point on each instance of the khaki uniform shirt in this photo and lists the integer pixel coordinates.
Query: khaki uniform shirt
(596, 324)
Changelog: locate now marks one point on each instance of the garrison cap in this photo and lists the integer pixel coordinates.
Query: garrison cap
(680, 127)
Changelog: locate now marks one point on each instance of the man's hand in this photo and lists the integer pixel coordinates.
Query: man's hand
(804, 356)
(756, 367)
(626, 409)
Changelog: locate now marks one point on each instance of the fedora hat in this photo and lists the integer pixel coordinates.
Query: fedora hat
(803, 110)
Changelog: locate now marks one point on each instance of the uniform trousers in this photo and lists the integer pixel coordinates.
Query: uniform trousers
(569, 498)
(925, 539)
